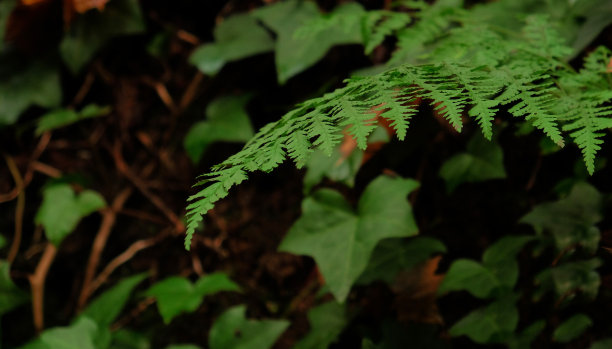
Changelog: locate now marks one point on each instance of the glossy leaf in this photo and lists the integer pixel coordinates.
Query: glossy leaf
(92, 30)
(326, 322)
(105, 308)
(233, 330)
(64, 117)
(483, 160)
(572, 328)
(394, 255)
(294, 54)
(491, 324)
(62, 209)
(226, 121)
(237, 37)
(11, 296)
(341, 240)
(570, 220)
(176, 295)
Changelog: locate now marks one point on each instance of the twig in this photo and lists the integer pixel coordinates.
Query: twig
(108, 220)
(78, 98)
(162, 92)
(143, 215)
(138, 183)
(190, 92)
(37, 282)
(46, 169)
(142, 306)
(18, 208)
(40, 148)
(124, 257)
(534, 174)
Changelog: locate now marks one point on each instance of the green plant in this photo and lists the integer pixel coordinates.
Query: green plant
(432, 213)
(526, 71)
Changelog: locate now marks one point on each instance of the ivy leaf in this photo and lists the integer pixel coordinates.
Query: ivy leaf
(527, 336)
(93, 29)
(602, 344)
(233, 330)
(572, 328)
(105, 308)
(326, 322)
(497, 273)
(469, 275)
(570, 220)
(80, 335)
(11, 296)
(227, 121)
(176, 295)
(63, 117)
(18, 80)
(237, 37)
(483, 160)
(62, 209)
(295, 54)
(500, 258)
(491, 324)
(569, 277)
(127, 339)
(341, 240)
(6, 7)
(394, 255)
(335, 167)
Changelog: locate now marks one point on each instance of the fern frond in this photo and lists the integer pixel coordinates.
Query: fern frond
(379, 24)
(396, 107)
(463, 66)
(534, 99)
(431, 82)
(588, 119)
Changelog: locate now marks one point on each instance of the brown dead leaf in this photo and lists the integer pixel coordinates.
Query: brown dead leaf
(609, 70)
(416, 291)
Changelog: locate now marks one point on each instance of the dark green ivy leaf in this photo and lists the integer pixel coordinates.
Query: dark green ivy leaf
(226, 121)
(295, 54)
(62, 209)
(572, 328)
(570, 220)
(237, 37)
(25, 84)
(326, 322)
(394, 255)
(233, 330)
(341, 240)
(176, 295)
(10, 295)
(93, 29)
(494, 323)
(105, 308)
(483, 160)
(63, 117)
